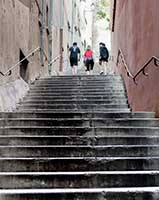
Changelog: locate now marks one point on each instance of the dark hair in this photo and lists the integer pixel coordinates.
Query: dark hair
(75, 44)
(101, 43)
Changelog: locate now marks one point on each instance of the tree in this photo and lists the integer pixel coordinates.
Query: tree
(103, 10)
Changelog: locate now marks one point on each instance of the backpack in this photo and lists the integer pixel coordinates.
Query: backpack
(74, 52)
(104, 52)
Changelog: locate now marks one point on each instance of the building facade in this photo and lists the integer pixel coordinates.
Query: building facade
(135, 31)
(42, 29)
(21, 33)
(69, 25)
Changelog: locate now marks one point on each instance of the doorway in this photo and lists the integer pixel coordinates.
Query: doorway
(23, 66)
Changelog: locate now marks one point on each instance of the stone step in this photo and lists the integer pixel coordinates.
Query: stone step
(133, 193)
(80, 81)
(76, 90)
(82, 78)
(70, 101)
(77, 140)
(34, 110)
(76, 96)
(85, 180)
(80, 131)
(71, 83)
(87, 92)
(74, 85)
(78, 164)
(94, 122)
(74, 106)
(21, 151)
(76, 114)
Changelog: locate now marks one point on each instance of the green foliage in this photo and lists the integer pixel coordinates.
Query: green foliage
(102, 8)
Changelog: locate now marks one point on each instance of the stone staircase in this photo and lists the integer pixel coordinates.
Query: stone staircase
(75, 138)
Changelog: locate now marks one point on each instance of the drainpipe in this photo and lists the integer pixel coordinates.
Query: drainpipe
(42, 32)
(72, 26)
(114, 15)
(51, 36)
(61, 34)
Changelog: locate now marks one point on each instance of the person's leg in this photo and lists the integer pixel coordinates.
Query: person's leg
(101, 67)
(92, 65)
(105, 68)
(72, 65)
(75, 69)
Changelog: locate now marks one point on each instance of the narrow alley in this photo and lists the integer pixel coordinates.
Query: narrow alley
(79, 100)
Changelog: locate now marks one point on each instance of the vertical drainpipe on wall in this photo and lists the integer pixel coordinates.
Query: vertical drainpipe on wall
(42, 31)
(72, 26)
(114, 15)
(51, 36)
(61, 33)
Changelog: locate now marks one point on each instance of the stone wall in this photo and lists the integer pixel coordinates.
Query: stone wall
(136, 32)
(20, 32)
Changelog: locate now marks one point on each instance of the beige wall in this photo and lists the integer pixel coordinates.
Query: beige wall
(19, 30)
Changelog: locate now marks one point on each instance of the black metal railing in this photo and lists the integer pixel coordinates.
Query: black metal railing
(153, 59)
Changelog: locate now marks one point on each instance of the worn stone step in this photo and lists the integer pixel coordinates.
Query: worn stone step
(87, 92)
(87, 85)
(73, 114)
(76, 114)
(74, 106)
(76, 90)
(81, 78)
(82, 131)
(69, 101)
(80, 164)
(79, 151)
(78, 140)
(81, 110)
(76, 83)
(79, 95)
(79, 81)
(78, 86)
(84, 76)
(94, 122)
(133, 193)
(86, 180)
(76, 96)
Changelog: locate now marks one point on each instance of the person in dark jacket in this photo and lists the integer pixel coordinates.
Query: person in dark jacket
(103, 58)
(74, 56)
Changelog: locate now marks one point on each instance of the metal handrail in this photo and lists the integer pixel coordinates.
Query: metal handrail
(38, 6)
(120, 54)
(141, 70)
(54, 59)
(44, 53)
(9, 71)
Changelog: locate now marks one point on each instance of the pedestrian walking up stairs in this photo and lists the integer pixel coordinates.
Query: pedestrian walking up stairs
(75, 138)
